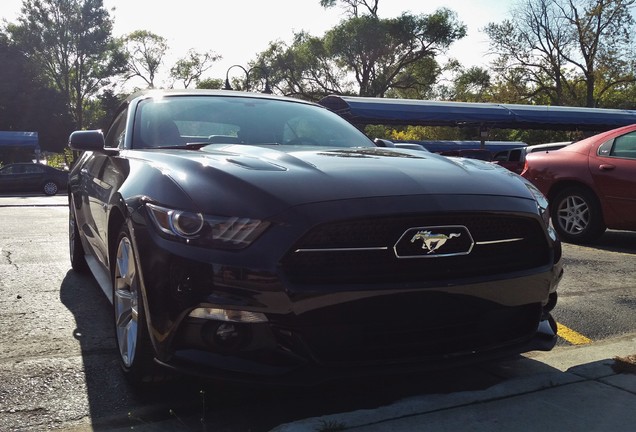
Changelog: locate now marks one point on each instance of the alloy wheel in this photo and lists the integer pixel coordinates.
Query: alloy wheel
(126, 301)
(573, 214)
(50, 188)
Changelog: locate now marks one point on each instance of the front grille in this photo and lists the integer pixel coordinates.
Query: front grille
(330, 253)
(410, 326)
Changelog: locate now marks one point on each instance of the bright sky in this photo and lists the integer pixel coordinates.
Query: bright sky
(239, 29)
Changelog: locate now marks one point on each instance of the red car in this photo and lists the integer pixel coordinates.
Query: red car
(591, 184)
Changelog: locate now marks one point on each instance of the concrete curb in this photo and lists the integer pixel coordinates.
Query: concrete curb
(581, 372)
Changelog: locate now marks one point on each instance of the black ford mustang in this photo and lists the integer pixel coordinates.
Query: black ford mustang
(255, 237)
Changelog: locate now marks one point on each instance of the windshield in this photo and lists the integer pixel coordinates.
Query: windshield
(174, 121)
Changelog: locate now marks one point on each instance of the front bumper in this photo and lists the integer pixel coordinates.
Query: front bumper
(318, 329)
(245, 370)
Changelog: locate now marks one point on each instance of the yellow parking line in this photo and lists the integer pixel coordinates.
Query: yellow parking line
(571, 336)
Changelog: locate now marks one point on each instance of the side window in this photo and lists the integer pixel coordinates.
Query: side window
(605, 148)
(501, 156)
(117, 133)
(33, 169)
(624, 146)
(515, 156)
(15, 169)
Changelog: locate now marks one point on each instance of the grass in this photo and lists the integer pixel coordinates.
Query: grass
(331, 426)
(625, 364)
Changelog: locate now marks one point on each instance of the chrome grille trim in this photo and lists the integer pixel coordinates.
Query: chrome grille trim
(352, 249)
(500, 241)
(348, 249)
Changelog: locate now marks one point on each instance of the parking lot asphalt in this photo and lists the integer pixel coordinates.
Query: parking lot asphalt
(33, 200)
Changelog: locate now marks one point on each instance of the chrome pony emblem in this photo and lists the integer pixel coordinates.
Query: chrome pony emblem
(433, 241)
(436, 242)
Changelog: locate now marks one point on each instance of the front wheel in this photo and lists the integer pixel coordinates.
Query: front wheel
(577, 216)
(131, 331)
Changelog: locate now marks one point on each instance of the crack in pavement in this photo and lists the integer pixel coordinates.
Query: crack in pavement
(7, 257)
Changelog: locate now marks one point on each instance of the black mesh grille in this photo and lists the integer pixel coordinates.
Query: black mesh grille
(307, 264)
(411, 326)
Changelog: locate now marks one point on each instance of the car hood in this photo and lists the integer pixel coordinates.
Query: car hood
(246, 177)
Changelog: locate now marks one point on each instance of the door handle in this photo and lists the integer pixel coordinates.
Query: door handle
(606, 167)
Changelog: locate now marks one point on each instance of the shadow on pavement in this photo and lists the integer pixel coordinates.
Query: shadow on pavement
(616, 241)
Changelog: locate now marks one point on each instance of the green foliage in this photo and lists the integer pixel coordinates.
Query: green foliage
(71, 43)
(472, 85)
(210, 83)
(27, 102)
(190, 68)
(61, 160)
(365, 55)
(59, 59)
(100, 110)
(331, 426)
(420, 133)
(385, 53)
(304, 69)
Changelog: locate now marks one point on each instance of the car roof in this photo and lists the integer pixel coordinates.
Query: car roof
(147, 93)
(548, 146)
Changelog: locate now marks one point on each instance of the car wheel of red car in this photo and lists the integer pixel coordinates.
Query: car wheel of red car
(131, 332)
(576, 215)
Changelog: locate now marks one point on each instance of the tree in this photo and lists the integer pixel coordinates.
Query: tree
(364, 54)
(379, 51)
(566, 51)
(468, 85)
(352, 7)
(190, 68)
(210, 83)
(144, 52)
(305, 69)
(100, 111)
(71, 41)
(603, 30)
(27, 103)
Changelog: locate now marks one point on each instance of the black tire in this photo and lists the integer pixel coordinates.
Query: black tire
(76, 250)
(131, 330)
(577, 216)
(50, 187)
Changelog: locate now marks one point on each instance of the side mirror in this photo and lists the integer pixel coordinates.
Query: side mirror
(89, 140)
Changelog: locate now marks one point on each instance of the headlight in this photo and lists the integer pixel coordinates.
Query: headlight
(206, 230)
(542, 202)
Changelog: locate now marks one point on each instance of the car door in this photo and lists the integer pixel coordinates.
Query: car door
(12, 178)
(99, 178)
(613, 168)
(33, 176)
